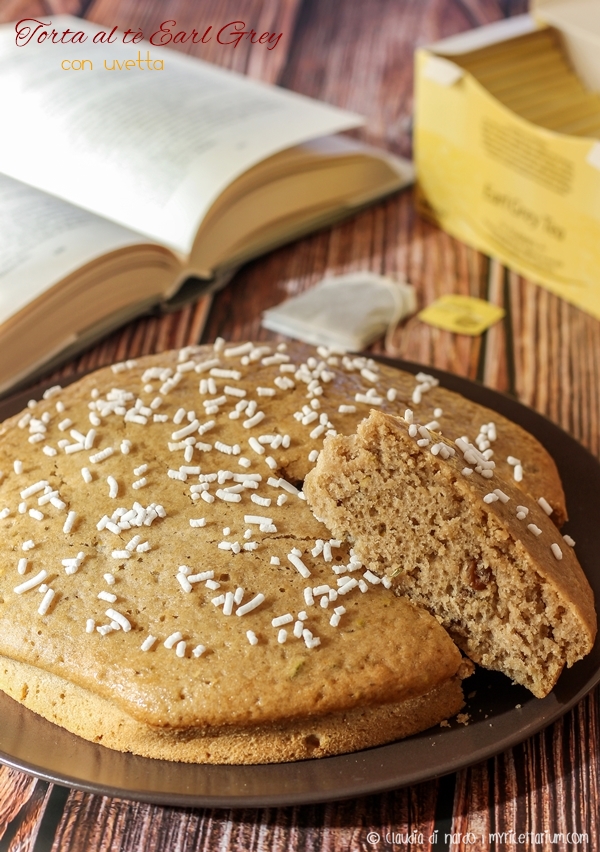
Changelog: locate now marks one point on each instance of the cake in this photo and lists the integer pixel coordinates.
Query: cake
(166, 589)
(485, 559)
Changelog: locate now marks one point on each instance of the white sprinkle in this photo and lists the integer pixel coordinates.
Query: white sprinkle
(282, 619)
(487, 474)
(185, 431)
(109, 578)
(225, 374)
(308, 596)
(18, 466)
(36, 514)
(197, 522)
(180, 648)
(125, 447)
(148, 643)
(28, 545)
(113, 486)
(348, 585)
(256, 446)
(206, 365)
(184, 582)
(31, 583)
(22, 565)
(121, 554)
(177, 474)
(512, 460)
(102, 455)
(228, 605)
(208, 498)
(198, 650)
(49, 596)
(90, 625)
(545, 505)
(226, 495)
(89, 439)
(372, 578)
(369, 375)
(556, 551)
(202, 577)
(299, 565)
(68, 526)
(254, 421)
(518, 473)
(501, 495)
(107, 596)
(251, 636)
(260, 501)
(33, 489)
(310, 641)
(257, 519)
(139, 483)
(248, 607)
(534, 529)
(282, 636)
(87, 476)
(173, 639)
(569, 540)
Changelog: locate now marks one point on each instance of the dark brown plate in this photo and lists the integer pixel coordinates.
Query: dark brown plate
(32, 744)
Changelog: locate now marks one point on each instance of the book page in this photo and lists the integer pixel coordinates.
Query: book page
(147, 147)
(43, 239)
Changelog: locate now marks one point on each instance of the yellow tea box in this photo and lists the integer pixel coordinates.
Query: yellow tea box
(507, 143)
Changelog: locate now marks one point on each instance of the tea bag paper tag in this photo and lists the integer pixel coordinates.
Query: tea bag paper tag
(461, 314)
(347, 311)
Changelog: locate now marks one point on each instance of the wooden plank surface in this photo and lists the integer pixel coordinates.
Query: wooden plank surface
(358, 55)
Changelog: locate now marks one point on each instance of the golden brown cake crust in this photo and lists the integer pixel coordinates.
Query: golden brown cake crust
(509, 589)
(98, 720)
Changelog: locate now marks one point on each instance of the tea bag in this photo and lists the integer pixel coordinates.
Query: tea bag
(347, 311)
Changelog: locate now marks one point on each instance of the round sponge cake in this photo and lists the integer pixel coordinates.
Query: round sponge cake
(164, 586)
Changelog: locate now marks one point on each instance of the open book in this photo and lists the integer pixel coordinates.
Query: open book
(118, 185)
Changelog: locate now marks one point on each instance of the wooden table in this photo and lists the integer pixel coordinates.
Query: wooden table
(358, 54)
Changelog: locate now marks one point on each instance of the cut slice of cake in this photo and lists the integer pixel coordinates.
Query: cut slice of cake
(472, 548)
